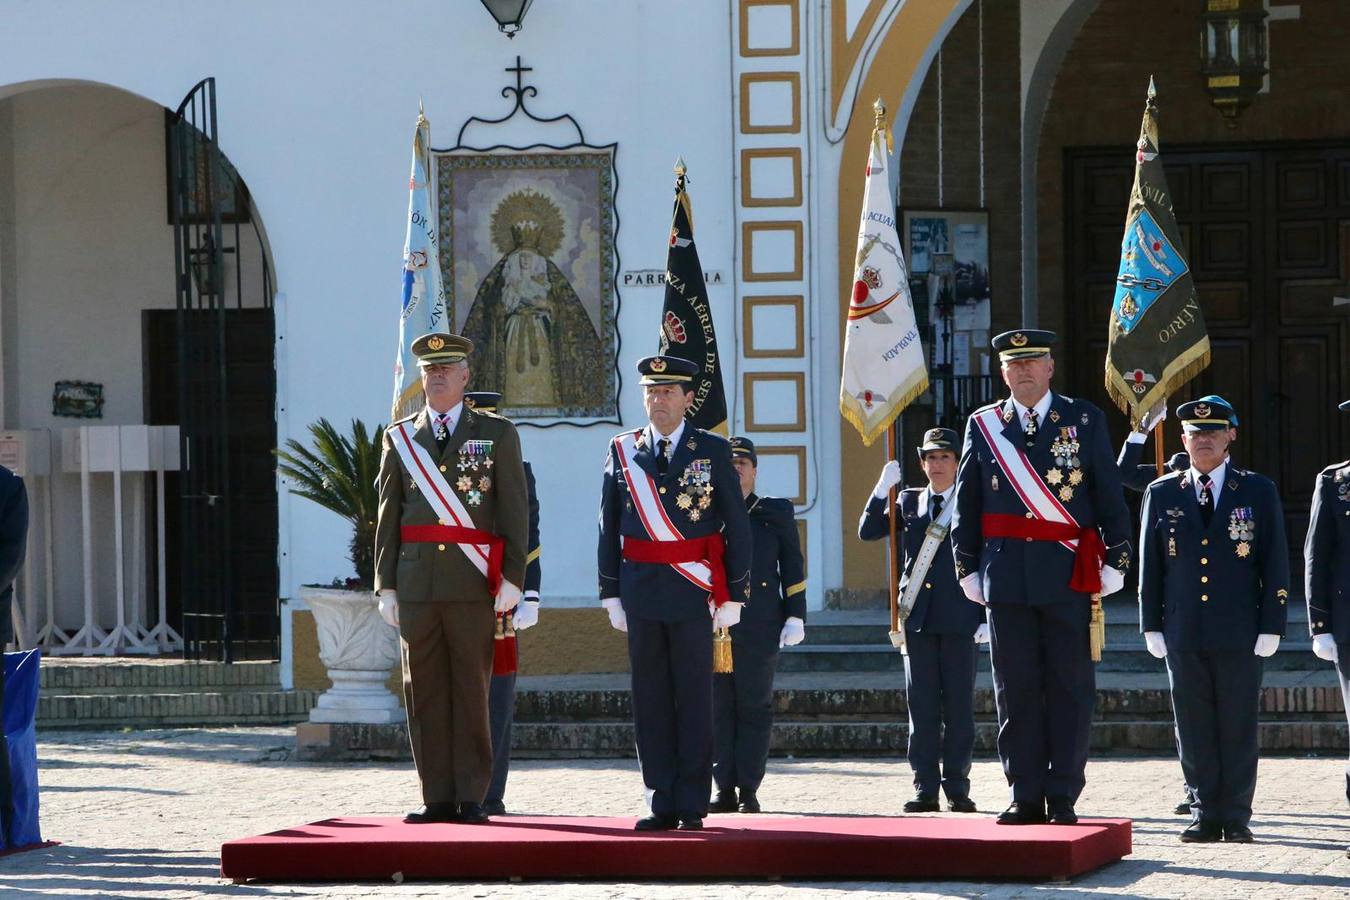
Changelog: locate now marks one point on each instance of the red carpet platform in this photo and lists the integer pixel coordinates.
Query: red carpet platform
(729, 847)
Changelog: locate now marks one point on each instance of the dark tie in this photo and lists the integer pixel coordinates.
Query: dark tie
(1206, 500)
(661, 462)
(1030, 428)
(935, 507)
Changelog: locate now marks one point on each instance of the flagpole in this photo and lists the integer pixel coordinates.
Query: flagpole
(1157, 447)
(897, 633)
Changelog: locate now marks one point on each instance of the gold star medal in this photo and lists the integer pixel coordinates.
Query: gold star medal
(694, 515)
(705, 501)
(485, 484)
(684, 501)
(1244, 550)
(464, 483)
(1076, 477)
(1066, 493)
(1054, 477)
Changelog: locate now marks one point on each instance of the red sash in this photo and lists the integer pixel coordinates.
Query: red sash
(455, 534)
(709, 550)
(1088, 557)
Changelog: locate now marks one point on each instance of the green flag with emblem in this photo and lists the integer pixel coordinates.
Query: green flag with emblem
(1157, 340)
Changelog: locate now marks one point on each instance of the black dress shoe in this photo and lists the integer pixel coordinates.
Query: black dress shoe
(1019, 813)
(749, 802)
(656, 823)
(691, 823)
(961, 805)
(433, 812)
(1237, 834)
(494, 808)
(922, 803)
(1061, 812)
(1202, 833)
(724, 802)
(472, 813)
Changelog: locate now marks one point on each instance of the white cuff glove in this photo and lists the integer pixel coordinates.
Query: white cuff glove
(1157, 644)
(727, 614)
(508, 597)
(1266, 645)
(527, 615)
(389, 607)
(971, 586)
(982, 633)
(793, 633)
(1112, 580)
(1324, 646)
(618, 620)
(890, 477)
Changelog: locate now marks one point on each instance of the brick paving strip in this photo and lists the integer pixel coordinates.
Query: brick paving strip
(143, 814)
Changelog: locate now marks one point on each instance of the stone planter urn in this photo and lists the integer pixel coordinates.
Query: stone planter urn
(358, 648)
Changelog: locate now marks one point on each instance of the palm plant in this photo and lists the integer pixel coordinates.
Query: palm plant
(339, 474)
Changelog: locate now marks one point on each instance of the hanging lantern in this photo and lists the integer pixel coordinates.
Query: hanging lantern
(508, 13)
(1233, 53)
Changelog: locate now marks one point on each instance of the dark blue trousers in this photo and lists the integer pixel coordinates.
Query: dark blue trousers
(743, 715)
(672, 712)
(1216, 697)
(1044, 689)
(940, 690)
(501, 713)
(1343, 671)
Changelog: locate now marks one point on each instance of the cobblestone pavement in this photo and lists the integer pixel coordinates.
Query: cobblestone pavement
(143, 814)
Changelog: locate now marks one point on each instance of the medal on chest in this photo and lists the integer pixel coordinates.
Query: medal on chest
(696, 489)
(475, 457)
(1242, 529)
(1066, 475)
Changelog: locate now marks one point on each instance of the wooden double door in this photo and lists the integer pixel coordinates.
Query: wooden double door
(1266, 230)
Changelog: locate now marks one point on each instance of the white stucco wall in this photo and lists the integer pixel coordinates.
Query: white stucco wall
(316, 112)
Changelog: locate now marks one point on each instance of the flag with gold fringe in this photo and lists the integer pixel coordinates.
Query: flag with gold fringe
(423, 307)
(883, 368)
(1157, 339)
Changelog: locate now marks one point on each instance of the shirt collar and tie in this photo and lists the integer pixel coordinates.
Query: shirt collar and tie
(1216, 478)
(443, 424)
(1032, 426)
(655, 439)
(937, 502)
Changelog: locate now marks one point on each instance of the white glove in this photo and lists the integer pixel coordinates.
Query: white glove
(971, 586)
(793, 633)
(389, 607)
(1157, 644)
(727, 614)
(890, 477)
(527, 615)
(618, 620)
(1266, 645)
(508, 597)
(1112, 580)
(982, 633)
(1153, 417)
(1324, 646)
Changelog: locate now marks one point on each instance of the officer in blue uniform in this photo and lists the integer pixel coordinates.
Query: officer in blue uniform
(941, 630)
(1011, 539)
(1326, 573)
(13, 542)
(502, 690)
(775, 617)
(1213, 589)
(650, 557)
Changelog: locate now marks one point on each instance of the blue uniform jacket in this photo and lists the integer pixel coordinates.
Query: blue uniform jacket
(1133, 474)
(1205, 588)
(941, 607)
(532, 569)
(1014, 570)
(13, 540)
(1326, 554)
(656, 591)
(777, 574)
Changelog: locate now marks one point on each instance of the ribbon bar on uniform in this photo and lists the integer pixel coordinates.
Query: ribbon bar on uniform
(1091, 552)
(708, 550)
(455, 534)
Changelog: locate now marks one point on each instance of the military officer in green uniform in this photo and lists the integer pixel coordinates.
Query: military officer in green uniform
(774, 618)
(450, 551)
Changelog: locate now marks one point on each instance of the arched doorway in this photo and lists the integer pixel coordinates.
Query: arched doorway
(99, 287)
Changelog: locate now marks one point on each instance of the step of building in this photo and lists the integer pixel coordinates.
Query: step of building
(175, 708)
(95, 675)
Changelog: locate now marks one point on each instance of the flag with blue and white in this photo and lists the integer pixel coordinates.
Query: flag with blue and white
(423, 305)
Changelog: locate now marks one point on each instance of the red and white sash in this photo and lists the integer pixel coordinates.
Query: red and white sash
(655, 521)
(1038, 497)
(449, 508)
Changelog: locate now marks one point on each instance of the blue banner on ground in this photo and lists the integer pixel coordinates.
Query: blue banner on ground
(20, 710)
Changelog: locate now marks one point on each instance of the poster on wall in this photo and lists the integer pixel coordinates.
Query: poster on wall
(528, 256)
(948, 251)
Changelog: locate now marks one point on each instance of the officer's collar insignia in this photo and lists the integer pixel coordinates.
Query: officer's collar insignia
(1007, 413)
(435, 343)
(1202, 410)
(641, 438)
(1018, 340)
(690, 443)
(1085, 418)
(1054, 415)
(1185, 481)
(1232, 483)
